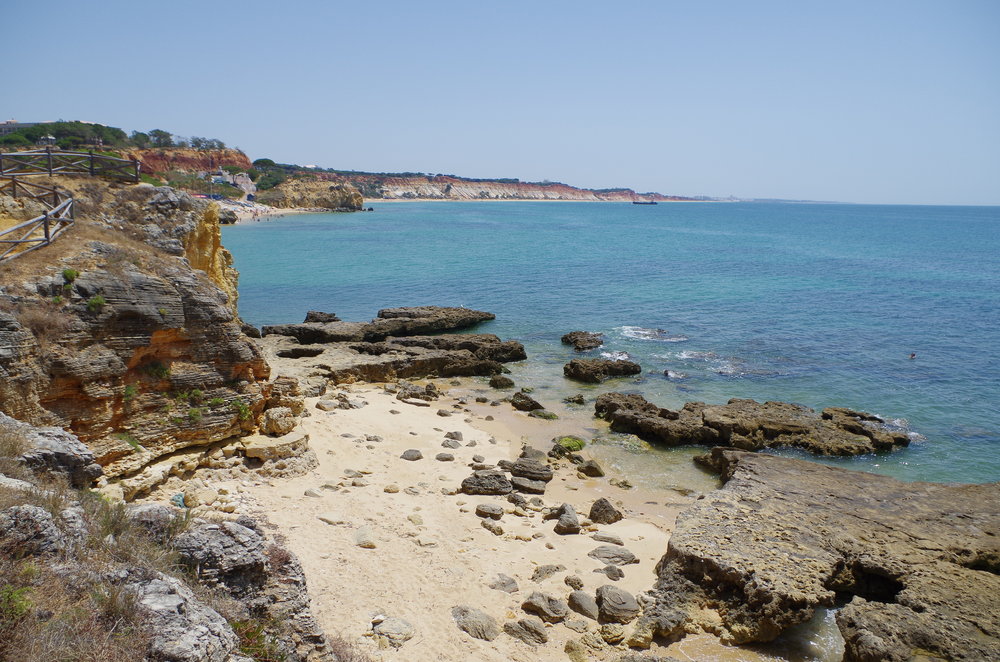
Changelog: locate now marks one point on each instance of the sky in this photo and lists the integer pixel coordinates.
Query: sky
(879, 101)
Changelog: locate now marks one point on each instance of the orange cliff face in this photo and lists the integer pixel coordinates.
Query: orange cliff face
(190, 160)
(445, 187)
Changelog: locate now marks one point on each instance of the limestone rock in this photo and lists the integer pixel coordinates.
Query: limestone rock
(784, 536)
(548, 608)
(595, 371)
(501, 382)
(52, 450)
(604, 512)
(278, 421)
(613, 555)
(584, 604)
(568, 522)
(486, 482)
(412, 455)
(475, 623)
(751, 425)
(529, 630)
(27, 530)
(531, 469)
(491, 510)
(616, 605)
(543, 572)
(225, 553)
(583, 340)
(504, 583)
(396, 631)
(527, 485)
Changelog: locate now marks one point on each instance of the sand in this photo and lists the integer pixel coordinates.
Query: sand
(431, 552)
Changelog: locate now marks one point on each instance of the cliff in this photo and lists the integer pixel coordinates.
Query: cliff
(313, 193)
(447, 187)
(190, 160)
(125, 331)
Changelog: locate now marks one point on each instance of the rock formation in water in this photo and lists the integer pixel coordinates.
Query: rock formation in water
(916, 563)
(751, 425)
(595, 371)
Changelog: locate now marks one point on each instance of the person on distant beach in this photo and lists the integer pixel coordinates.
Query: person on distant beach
(913, 355)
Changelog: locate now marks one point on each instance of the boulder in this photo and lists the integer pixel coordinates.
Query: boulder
(917, 561)
(278, 421)
(590, 468)
(524, 402)
(475, 623)
(504, 583)
(548, 608)
(412, 455)
(604, 512)
(501, 382)
(224, 553)
(595, 371)
(568, 522)
(28, 530)
(491, 510)
(583, 340)
(616, 605)
(527, 485)
(613, 555)
(529, 630)
(584, 604)
(487, 482)
(751, 425)
(532, 469)
(52, 450)
(394, 631)
(317, 316)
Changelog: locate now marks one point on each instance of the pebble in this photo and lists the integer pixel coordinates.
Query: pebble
(364, 538)
(392, 488)
(504, 583)
(574, 582)
(312, 493)
(444, 457)
(412, 455)
(451, 443)
(393, 411)
(490, 510)
(443, 412)
(492, 526)
(359, 482)
(478, 458)
(456, 435)
(607, 537)
(412, 491)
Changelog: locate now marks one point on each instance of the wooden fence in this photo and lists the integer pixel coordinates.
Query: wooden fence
(42, 230)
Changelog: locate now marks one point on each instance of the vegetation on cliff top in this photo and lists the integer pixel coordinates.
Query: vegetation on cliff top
(75, 134)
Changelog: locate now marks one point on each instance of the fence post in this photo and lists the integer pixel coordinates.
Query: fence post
(49, 150)
(91, 163)
(13, 187)
(48, 239)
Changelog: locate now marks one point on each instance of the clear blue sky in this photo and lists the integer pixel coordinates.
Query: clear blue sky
(873, 101)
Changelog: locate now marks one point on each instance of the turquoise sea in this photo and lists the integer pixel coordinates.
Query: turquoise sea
(820, 304)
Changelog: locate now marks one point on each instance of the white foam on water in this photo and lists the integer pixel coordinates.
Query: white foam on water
(616, 356)
(642, 333)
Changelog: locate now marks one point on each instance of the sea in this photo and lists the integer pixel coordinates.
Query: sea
(893, 310)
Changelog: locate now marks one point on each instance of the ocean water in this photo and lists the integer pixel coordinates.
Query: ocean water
(819, 304)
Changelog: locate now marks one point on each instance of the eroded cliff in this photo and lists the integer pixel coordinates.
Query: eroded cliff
(313, 193)
(191, 160)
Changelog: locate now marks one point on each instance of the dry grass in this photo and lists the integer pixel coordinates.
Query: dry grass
(345, 651)
(47, 321)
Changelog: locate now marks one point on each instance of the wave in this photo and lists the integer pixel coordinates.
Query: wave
(657, 335)
(617, 356)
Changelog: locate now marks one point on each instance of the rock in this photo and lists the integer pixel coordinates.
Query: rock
(451, 443)
(501, 382)
(575, 399)
(590, 468)
(299, 352)
(583, 340)
(224, 553)
(568, 522)
(612, 572)
(567, 444)
(576, 625)
(364, 537)
(28, 530)
(918, 561)
(529, 630)
(608, 538)
(183, 629)
(532, 469)
(327, 405)
(548, 608)
(750, 425)
(317, 316)
(457, 436)
(490, 510)
(475, 623)
(250, 330)
(487, 482)
(543, 572)
(524, 402)
(278, 421)
(527, 485)
(613, 633)
(412, 455)
(613, 555)
(544, 414)
(52, 450)
(443, 412)
(584, 604)
(444, 457)
(616, 605)
(574, 582)
(396, 631)
(595, 371)
(312, 493)
(504, 583)
(492, 526)
(604, 512)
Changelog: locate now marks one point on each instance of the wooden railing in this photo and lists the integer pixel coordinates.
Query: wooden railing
(42, 230)
(55, 162)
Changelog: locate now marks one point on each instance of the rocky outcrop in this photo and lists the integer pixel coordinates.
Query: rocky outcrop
(918, 563)
(190, 160)
(595, 371)
(751, 425)
(117, 338)
(414, 321)
(51, 451)
(583, 340)
(313, 194)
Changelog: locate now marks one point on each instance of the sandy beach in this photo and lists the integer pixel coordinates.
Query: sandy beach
(428, 551)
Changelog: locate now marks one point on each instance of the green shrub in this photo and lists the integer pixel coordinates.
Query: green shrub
(130, 440)
(157, 369)
(14, 602)
(255, 643)
(57, 300)
(130, 391)
(69, 275)
(242, 410)
(95, 303)
(215, 402)
(195, 414)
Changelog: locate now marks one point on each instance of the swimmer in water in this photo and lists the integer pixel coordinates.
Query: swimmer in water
(913, 355)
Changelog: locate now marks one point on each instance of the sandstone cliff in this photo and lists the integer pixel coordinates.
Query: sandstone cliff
(125, 331)
(191, 160)
(446, 187)
(313, 193)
